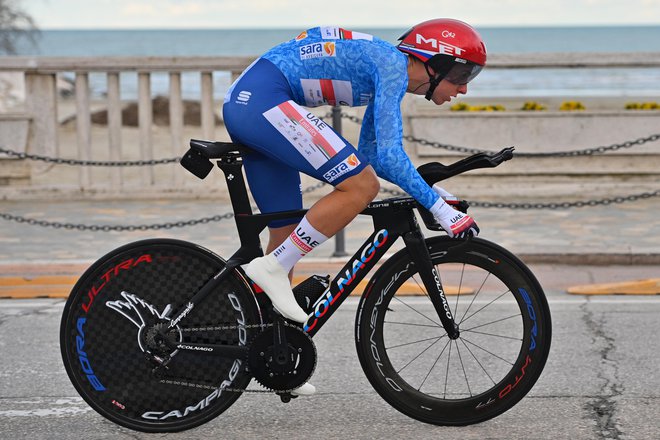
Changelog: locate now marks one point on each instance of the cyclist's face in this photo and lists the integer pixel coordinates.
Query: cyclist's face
(446, 91)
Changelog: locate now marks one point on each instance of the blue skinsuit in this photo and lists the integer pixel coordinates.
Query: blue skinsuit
(322, 66)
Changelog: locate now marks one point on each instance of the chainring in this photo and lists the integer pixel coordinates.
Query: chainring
(292, 370)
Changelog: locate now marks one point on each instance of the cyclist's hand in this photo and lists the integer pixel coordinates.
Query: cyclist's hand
(446, 195)
(457, 224)
(460, 226)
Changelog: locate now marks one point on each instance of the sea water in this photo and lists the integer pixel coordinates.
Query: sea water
(609, 82)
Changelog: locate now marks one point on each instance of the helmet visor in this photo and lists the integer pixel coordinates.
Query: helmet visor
(463, 73)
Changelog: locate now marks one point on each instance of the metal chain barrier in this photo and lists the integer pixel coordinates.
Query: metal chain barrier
(90, 163)
(392, 192)
(585, 152)
(108, 228)
(566, 205)
(389, 191)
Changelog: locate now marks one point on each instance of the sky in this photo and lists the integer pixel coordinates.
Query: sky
(165, 14)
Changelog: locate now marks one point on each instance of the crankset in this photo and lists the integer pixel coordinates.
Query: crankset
(282, 357)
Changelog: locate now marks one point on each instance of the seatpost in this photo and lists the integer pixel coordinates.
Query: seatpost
(232, 167)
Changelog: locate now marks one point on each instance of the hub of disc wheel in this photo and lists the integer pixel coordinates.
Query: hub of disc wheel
(160, 338)
(286, 366)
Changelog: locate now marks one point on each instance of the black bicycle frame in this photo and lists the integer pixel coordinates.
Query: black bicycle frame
(392, 218)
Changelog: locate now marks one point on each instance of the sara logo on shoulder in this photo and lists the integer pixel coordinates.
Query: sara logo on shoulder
(348, 164)
(318, 50)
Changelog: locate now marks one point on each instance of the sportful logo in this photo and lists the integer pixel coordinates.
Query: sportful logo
(348, 164)
(243, 97)
(318, 50)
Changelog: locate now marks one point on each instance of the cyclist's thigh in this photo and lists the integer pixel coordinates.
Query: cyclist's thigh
(261, 113)
(275, 186)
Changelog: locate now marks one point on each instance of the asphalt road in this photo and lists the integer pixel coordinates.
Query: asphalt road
(600, 382)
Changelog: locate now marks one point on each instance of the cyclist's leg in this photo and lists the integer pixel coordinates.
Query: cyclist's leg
(337, 209)
(260, 112)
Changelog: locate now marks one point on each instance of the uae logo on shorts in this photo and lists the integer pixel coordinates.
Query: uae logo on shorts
(348, 164)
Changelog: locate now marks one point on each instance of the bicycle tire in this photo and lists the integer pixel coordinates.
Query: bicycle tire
(107, 317)
(504, 343)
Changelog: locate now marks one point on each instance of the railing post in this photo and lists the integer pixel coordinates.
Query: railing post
(176, 124)
(83, 126)
(208, 115)
(114, 127)
(340, 238)
(145, 119)
(41, 105)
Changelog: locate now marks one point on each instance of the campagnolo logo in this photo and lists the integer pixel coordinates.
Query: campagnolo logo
(189, 307)
(205, 402)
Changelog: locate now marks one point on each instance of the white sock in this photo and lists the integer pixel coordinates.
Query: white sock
(301, 241)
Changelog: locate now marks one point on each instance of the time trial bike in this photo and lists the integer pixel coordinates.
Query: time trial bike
(164, 335)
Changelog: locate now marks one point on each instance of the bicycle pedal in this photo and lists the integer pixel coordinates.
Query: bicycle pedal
(286, 397)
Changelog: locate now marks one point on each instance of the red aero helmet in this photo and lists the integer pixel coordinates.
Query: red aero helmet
(444, 36)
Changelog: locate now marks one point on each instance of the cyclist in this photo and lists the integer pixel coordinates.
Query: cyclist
(333, 66)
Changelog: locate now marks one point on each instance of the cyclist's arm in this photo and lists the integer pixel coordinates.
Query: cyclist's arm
(381, 141)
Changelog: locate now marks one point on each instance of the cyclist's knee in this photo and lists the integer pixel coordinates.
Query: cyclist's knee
(364, 185)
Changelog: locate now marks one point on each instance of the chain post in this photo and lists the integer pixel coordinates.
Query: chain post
(340, 237)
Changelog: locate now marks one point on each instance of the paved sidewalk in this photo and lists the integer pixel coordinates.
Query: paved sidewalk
(621, 233)
(567, 247)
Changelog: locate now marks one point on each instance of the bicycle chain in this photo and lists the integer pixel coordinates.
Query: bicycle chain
(212, 388)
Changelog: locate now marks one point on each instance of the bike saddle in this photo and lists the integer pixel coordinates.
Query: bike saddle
(197, 159)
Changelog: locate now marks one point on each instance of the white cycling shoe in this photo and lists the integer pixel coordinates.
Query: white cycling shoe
(271, 277)
(306, 389)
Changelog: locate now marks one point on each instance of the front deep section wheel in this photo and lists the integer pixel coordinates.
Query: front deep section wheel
(118, 321)
(504, 341)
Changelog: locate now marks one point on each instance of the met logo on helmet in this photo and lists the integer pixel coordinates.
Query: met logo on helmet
(440, 46)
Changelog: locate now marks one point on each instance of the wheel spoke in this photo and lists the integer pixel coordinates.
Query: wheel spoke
(491, 322)
(478, 362)
(500, 296)
(494, 335)
(421, 353)
(415, 342)
(474, 297)
(460, 286)
(460, 358)
(416, 311)
(411, 324)
(444, 394)
(487, 351)
(434, 363)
